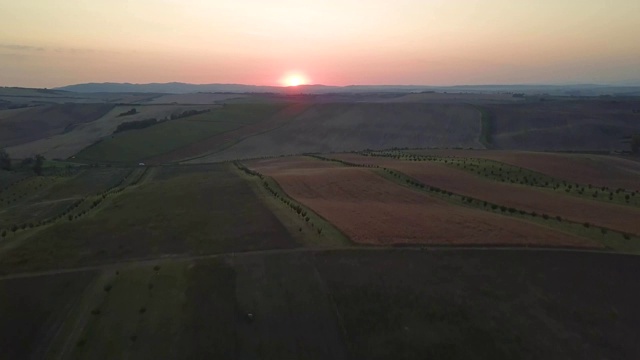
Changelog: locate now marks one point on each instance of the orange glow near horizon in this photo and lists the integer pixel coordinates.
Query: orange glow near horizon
(294, 79)
(46, 43)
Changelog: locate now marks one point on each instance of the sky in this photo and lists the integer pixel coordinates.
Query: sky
(49, 43)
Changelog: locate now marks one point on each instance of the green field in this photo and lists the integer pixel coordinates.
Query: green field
(154, 218)
(137, 145)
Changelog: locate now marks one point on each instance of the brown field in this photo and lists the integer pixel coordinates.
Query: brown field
(333, 127)
(372, 210)
(198, 98)
(599, 170)
(568, 125)
(622, 218)
(43, 121)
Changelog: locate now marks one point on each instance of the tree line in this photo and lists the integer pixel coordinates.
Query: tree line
(35, 162)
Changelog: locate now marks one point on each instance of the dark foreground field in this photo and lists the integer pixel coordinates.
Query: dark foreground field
(336, 304)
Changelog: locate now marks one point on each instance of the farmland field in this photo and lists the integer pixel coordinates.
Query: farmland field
(350, 304)
(563, 125)
(542, 201)
(357, 126)
(249, 232)
(48, 120)
(163, 138)
(70, 142)
(598, 170)
(155, 218)
(372, 210)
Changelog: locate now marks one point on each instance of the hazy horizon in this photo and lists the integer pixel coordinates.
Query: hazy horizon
(334, 43)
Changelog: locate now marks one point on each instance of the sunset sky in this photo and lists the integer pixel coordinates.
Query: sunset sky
(47, 43)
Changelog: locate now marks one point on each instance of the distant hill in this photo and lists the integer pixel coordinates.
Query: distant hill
(184, 88)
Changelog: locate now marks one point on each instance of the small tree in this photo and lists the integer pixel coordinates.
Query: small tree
(635, 144)
(5, 160)
(37, 164)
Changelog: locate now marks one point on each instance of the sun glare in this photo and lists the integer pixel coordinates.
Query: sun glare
(294, 80)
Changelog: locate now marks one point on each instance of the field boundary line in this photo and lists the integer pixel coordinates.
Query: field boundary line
(267, 252)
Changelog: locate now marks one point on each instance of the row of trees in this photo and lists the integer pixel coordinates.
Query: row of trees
(36, 162)
(132, 125)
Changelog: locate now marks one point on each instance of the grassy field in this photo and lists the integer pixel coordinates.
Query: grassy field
(155, 217)
(47, 120)
(563, 124)
(68, 143)
(345, 126)
(484, 304)
(36, 199)
(352, 304)
(142, 144)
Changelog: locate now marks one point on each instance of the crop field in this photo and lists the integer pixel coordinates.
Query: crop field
(37, 198)
(153, 216)
(356, 126)
(357, 304)
(169, 136)
(255, 119)
(199, 98)
(464, 304)
(569, 125)
(372, 210)
(48, 120)
(68, 143)
(530, 199)
(598, 170)
(312, 226)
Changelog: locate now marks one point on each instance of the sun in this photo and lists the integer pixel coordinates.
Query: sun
(294, 80)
